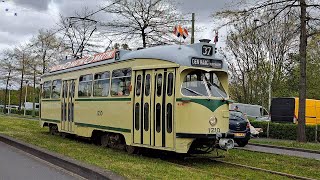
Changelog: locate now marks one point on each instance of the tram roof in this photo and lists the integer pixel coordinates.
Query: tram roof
(199, 55)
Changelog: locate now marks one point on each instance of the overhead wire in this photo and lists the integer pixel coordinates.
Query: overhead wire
(85, 17)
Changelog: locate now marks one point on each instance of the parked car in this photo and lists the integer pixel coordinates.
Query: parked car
(240, 128)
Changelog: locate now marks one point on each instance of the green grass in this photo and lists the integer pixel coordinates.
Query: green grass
(142, 167)
(287, 164)
(287, 143)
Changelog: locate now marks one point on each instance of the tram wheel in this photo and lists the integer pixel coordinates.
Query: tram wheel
(131, 149)
(53, 129)
(105, 140)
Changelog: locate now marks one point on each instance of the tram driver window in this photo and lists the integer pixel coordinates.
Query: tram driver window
(85, 86)
(46, 89)
(56, 88)
(201, 83)
(101, 84)
(121, 82)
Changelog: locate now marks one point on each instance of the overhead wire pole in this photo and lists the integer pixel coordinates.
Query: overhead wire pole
(192, 29)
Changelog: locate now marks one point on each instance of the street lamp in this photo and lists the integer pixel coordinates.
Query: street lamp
(25, 99)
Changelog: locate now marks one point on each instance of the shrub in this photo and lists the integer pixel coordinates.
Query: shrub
(20, 112)
(285, 130)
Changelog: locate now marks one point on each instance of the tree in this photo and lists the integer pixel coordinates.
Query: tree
(277, 9)
(151, 21)
(48, 47)
(8, 65)
(258, 59)
(21, 55)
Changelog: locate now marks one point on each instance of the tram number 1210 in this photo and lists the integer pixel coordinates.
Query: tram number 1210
(214, 130)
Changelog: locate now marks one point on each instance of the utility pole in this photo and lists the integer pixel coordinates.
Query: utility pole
(34, 91)
(25, 99)
(192, 30)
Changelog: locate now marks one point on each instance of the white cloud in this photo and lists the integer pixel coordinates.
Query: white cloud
(33, 15)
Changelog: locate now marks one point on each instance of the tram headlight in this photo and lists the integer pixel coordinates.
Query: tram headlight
(213, 121)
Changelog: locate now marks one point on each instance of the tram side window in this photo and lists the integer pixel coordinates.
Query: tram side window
(46, 89)
(85, 85)
(56, 88)
(159, 84)
(170, 84)
(121, 82)
(101, 84)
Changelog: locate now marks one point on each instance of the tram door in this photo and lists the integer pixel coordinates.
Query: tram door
(67, 105)
(153, 107)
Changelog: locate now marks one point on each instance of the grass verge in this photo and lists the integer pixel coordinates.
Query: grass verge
(287, 143)
(142, 167)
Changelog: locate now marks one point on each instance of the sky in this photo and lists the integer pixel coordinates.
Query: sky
(32, 15)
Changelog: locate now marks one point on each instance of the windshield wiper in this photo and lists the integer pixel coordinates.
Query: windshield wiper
(214, 84)
(193, 91)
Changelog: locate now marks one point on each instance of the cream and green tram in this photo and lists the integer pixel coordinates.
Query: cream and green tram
(172, 98)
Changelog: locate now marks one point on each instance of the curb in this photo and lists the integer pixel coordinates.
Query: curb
(286, 148)
(79, 168)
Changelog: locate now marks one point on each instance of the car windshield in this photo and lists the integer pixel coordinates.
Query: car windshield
(201, 83)
(236, 116)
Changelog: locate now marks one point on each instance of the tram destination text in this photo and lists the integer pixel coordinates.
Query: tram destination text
(201, 62)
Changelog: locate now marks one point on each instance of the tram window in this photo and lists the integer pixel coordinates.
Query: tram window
(201, 83)
(46, 89)
(147, 90)
(56, 88)
(138, 85)
(169, 117)
(170, 84)
(85, 85)
(159, 84)
(137, 116)
(146, 116)
(121, 82)
(158, 114)
(101, 84)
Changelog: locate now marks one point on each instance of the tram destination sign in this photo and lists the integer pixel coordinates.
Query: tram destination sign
(202, 62)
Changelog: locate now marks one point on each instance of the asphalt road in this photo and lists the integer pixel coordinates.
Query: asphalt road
(282, 151)
(18, 165)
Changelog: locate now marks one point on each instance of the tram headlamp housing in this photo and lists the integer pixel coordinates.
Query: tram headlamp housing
(213, 121)
(226, 144)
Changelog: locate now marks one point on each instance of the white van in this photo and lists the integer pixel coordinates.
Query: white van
(29, 106)
(252, 111)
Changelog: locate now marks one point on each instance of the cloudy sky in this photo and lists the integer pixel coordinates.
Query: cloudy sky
(21, 19)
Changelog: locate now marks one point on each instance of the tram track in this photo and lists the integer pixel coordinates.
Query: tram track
(182, 163)
(264, 170)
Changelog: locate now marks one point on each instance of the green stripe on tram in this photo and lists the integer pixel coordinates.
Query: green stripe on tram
(50, 100)
(211, 104)
(50, 120)
(103, 99)
(103, 127)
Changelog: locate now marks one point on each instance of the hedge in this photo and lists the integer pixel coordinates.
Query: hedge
(21, 112)
(285, 130)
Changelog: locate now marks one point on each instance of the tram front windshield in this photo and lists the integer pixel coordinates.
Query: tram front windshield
(202, 83)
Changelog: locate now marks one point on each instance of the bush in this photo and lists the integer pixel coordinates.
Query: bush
(20, 112)
(285, 130)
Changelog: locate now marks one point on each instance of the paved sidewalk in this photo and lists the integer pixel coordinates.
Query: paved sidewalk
(281, 151)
